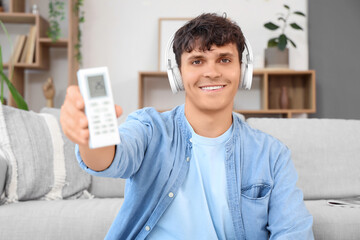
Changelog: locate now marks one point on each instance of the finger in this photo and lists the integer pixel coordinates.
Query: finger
(80, 104)
(83, 122)
(84, 140)
(73, 94)
(74, 102)
(81, 138)
(73, 118)
(118, 110)
(75, 134)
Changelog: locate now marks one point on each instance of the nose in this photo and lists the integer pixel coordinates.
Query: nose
(211, 71)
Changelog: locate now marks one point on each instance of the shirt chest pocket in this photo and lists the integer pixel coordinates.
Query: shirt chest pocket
(255, 207)
(256, 191)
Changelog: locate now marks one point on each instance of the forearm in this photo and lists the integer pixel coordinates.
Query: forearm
(97, 159)
(288, 216)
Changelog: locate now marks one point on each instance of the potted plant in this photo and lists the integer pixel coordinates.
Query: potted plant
(277, 53)
(56, 14)
(19, 100)
(81, 16)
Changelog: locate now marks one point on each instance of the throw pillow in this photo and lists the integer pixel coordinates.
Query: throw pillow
(42, 163)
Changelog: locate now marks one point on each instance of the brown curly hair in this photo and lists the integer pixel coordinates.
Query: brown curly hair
(204, 31)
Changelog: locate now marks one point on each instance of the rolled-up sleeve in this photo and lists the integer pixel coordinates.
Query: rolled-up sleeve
(288, 216)
(135, 135)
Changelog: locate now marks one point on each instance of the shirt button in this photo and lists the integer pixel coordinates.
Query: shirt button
(187, 159)
(147, 228)
(190, 140)
(171, 194)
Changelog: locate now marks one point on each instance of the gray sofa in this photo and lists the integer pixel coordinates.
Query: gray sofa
(326, 154)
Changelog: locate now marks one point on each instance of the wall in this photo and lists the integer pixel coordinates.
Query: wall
(334, 35)
(123, 35)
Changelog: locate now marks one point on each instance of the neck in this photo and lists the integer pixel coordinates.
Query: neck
(209, 123)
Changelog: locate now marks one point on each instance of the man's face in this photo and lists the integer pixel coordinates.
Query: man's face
(211, 78)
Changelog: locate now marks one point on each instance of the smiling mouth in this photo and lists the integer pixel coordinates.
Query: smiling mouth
(212, 88)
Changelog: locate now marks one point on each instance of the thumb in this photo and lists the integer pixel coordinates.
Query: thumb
(118, 111)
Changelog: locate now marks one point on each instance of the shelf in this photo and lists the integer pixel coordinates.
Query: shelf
(36, 66)
(299, 87)
(17, 17)
(61, 43)
(261, 100)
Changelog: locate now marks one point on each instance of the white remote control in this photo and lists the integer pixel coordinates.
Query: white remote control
(94, 84)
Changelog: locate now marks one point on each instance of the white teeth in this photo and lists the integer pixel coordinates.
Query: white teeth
(211, 88)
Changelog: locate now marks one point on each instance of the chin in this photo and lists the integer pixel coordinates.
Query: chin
(216, 107)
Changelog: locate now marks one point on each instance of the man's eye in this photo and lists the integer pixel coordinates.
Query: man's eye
(196, 62)
(225, 60)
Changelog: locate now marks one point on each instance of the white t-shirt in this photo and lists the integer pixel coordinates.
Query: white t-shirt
(200, 209)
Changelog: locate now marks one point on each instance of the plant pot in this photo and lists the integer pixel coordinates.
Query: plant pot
(275, 58)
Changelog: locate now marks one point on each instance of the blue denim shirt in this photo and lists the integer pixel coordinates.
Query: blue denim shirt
(154, 157)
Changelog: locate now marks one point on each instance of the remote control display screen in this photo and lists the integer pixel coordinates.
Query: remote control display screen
(96, 86)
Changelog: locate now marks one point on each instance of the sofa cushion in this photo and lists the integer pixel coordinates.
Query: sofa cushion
(100, 186)
(326, 153)
(103, 187)
(41, 160)
(64, 219)
(334, 222)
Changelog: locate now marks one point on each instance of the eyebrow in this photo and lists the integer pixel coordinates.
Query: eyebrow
(194, 57)
(226, 54)
(200, 56)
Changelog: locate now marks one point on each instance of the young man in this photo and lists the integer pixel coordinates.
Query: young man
(197, 171)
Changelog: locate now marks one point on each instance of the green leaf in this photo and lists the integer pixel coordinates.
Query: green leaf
(1, 63)
(292, 42)
(299, 13)
(273, 42)
(282, 42)
(271, 26)
(286, 6)
(19, 100)
(295, 26)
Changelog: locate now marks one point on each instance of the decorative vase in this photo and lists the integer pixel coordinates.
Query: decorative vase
(284, 98)
(275, 58)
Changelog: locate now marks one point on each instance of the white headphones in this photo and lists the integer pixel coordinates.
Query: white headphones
(174, 74)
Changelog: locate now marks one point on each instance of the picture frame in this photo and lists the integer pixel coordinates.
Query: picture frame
(167, 27)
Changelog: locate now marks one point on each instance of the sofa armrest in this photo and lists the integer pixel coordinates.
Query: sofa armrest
(3, 170)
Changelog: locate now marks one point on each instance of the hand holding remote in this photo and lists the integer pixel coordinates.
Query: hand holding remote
(73, 119)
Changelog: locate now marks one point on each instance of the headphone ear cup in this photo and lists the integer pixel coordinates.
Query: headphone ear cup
(175, 79)
(246, 75)
(172, 80)
(242, 77)
(178, 79)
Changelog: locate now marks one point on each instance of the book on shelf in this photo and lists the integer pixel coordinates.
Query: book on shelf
(28, 52)
(30, 55)
(19, 46)
(24, 50)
